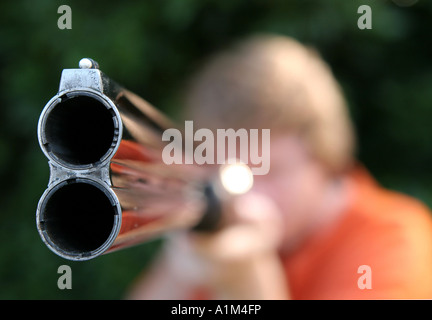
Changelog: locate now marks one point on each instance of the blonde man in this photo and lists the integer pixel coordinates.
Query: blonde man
(317, 226)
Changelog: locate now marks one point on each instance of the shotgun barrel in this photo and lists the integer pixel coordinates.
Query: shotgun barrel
(108, 187)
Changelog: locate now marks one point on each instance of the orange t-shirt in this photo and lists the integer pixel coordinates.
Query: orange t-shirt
(380, 249)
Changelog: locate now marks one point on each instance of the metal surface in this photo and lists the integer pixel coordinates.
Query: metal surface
(109, 188)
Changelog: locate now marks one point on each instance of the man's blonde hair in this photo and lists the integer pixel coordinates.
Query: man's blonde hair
(277, 83)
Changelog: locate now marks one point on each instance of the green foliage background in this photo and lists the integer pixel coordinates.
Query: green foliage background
(151, 47)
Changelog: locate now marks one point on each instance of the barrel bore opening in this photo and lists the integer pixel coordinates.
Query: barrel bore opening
(78, 218)
(80, 130)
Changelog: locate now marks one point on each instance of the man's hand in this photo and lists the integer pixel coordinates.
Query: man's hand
(240, 261)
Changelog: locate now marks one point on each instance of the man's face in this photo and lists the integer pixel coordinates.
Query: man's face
(295, 183)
